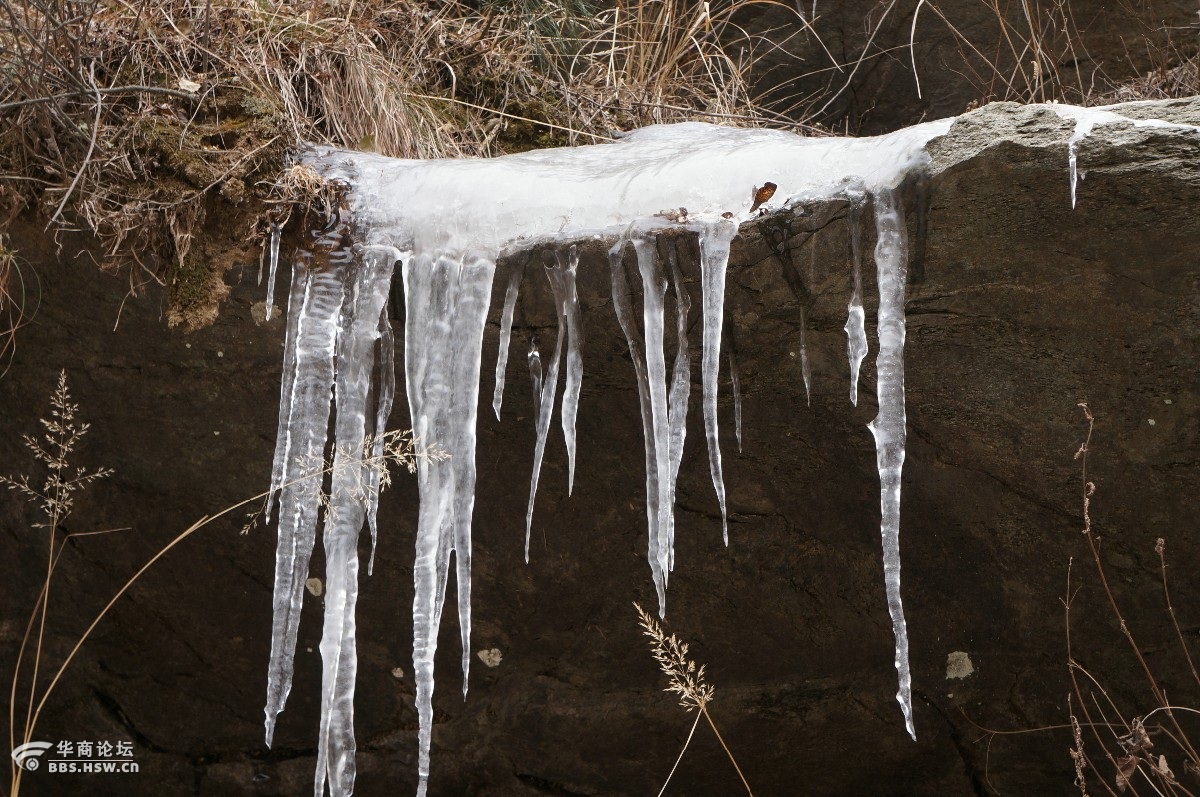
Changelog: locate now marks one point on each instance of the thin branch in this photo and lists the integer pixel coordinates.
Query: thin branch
(7, 106)
(91, 148)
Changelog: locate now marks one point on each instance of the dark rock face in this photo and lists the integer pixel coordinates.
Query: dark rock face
(1019, 308)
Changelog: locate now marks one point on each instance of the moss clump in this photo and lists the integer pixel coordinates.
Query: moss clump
(195, 294)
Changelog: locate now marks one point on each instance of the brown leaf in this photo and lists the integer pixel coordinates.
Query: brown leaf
(761, 195)
(1125, 769)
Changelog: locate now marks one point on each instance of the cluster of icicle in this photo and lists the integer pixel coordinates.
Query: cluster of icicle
(445, 224)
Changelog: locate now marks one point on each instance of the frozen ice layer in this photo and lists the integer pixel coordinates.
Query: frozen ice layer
(566, 193)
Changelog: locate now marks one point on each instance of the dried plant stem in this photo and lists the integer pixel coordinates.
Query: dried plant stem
(1160, 548)
(724, 746)
(1089, 489)
(679, 758)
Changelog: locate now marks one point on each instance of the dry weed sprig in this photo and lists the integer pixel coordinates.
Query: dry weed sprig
(684, 677)
(55, 498)
(686, 680)
(61, 436)
(1129, 748)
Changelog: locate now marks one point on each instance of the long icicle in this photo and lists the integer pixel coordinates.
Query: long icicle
(296, 300)
(888, 428)
(714, 258)
(446, 301)
(344, 516)
(506, 322)
(569, 311)
(654, 288)
(681, 385)
(301, 451)
(549, 386)
(623, 306)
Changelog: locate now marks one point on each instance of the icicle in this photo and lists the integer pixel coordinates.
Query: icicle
(714, 257)
(506, 321)
(624, 310)
(296, 297)
(654, 288)
(681, 385)
(1072, 163)
(737, 399)
(736, 380)
(383, 410)
(805, 368)
(535, 376)
(300, 451)
(856, 330)
(274, 264)
(545, 400)
(446, 301)
(888, 428)
(568, 304)
(344, 515)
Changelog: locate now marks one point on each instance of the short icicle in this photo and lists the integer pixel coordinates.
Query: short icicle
(545, 401)
(360, 328)
(856, 330)
(273, 266)
(888, 428)
(569, 312)
(318, 279)
(736, 383)
(506, 322)
(805, 367)
(446, 298)
(714, 259)
(535, 376)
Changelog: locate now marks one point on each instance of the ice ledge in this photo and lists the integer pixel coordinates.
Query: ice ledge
(652, 175)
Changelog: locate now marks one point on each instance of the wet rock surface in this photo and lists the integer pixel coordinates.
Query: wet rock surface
(1019, 308)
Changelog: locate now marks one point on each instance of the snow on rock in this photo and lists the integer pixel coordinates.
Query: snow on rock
(1087, 119)
(445, 224)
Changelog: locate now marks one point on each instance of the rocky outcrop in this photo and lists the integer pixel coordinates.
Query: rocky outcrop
(1018, 308)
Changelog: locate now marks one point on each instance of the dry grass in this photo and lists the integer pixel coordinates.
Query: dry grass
(19, 295)
(146, 124)
(1039, 53)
